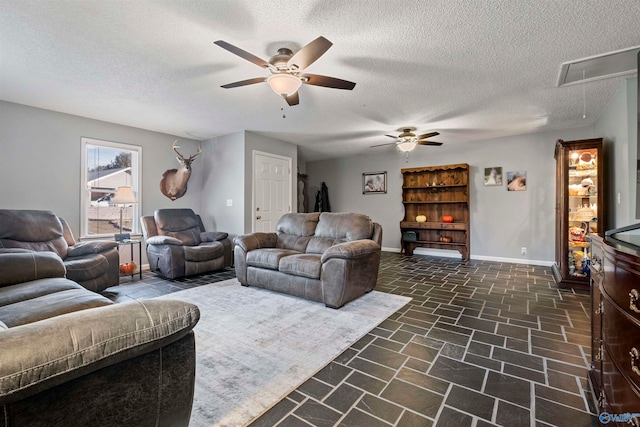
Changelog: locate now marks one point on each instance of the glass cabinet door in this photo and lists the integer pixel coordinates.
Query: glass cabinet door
(579, 209)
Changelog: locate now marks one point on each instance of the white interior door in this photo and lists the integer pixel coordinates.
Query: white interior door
(271, 190)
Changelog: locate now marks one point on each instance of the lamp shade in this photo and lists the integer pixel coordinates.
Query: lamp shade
(124, 196)
(407, 145)
(284, 84)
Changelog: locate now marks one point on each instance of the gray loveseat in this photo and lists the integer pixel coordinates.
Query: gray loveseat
(93, 264)
(70, 357)
(328, 257)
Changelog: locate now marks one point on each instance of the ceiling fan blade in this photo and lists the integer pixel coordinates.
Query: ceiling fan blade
(428, 143)
(326, 81)
(243, 54)
(392, 136)
(428, 135)
(245, 82)
(309, 53)
(293, 99)
(380, 145)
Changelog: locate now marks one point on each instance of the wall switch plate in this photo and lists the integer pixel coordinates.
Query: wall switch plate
(524, 250)
(618, 198)
(229, 202)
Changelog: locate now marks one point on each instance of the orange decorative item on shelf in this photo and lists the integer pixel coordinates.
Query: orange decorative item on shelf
(445, 239)
(447, 218)
(128, 268)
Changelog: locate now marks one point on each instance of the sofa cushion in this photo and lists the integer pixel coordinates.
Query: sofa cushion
(335, 228)
(305, 265)
(57, 296)
(181, 224)
(203, 252)
(86, 267)
(295, 229)
(268, 257)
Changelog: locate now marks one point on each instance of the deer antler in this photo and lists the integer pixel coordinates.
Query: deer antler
(196, 155)
(176, 149)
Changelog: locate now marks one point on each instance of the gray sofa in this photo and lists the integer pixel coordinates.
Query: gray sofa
(179, 246)
(93, 264)
(70, 357)
(328, 257)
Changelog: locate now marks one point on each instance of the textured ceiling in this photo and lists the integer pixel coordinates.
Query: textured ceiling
(469, 69)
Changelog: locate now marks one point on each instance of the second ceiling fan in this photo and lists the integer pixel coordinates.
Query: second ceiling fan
(407, 140)
(287, 68)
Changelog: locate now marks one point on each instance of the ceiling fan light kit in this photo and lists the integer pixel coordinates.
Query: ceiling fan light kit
(407, 146)
(284, 84)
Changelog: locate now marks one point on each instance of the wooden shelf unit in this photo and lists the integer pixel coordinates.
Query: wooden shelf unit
(436, 191)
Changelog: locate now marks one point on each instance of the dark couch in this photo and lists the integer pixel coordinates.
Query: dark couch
(178, 245)
(327, 257)
(70, 357)
(93, 264)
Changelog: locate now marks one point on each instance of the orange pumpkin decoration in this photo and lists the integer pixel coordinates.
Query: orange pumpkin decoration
(128, 268)
(447, 218)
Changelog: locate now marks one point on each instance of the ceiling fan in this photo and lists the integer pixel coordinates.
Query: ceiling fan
(286, 68)
(408, 140)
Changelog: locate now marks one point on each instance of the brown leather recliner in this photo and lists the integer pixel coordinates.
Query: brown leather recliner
(328, 257)
(179, 246)
(93, 264)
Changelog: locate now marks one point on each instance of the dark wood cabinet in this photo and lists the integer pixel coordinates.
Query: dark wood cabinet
(580, 208)
(615, 326)
(436, 208)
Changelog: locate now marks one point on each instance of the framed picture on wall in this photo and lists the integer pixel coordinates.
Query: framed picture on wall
(374, 182)
(517, 181)
(493, 176)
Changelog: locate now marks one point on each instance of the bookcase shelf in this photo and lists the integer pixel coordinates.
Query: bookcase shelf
(436, 192)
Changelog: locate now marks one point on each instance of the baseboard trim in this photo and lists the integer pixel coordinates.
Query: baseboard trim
(455, 254)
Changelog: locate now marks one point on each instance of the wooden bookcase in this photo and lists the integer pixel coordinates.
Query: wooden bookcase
(434, 192)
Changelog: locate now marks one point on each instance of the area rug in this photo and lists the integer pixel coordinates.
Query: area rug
(255, 346)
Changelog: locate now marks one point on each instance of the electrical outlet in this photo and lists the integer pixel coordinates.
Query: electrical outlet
(229, 202)
(523, 250)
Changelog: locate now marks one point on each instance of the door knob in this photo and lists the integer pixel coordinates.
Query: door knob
(258, 217)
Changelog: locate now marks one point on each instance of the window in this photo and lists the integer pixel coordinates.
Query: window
(105, 167)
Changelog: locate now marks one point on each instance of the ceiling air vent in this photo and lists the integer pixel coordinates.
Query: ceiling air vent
(612, 64)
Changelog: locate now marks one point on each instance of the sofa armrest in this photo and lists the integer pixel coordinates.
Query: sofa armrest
(164, 240)
(90, 247)
(249, 242)
(21, 265)
(40, 355)
(213, 236)
(350, 250)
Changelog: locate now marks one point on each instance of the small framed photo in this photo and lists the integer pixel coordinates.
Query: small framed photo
(493, 176)
(374, 182)
(517, 181)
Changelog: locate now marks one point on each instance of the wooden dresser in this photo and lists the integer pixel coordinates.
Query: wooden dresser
(615, 328)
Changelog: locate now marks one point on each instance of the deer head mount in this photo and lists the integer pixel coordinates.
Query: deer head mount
(174, 181)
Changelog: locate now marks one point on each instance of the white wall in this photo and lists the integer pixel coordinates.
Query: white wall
(502, 222)
(40, 155)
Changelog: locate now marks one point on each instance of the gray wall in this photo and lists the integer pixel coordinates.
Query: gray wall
(40, 155)
(228, 166)
(223, 179)
(502, 222)
(618, 124)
